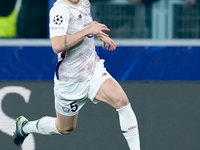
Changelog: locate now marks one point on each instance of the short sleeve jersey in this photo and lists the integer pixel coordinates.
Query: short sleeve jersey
(78, 62)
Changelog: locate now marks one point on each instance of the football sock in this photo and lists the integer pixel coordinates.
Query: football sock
(129, 127)
(45, 125)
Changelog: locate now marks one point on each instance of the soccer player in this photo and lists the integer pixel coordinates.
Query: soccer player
(80, 75)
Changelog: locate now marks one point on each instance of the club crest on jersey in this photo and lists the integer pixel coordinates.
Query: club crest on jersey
(58, 20)
(80, 16)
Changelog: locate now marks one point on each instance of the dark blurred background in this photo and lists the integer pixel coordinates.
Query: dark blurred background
(133, 19)
(25, 18)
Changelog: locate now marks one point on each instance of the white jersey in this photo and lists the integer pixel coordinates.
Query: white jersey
(78, 63)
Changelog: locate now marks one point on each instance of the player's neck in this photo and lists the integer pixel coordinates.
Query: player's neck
(76, 3)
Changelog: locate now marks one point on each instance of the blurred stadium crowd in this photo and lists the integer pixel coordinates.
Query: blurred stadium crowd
(125, 18)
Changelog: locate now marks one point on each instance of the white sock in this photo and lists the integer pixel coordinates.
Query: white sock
(45, 126)
(129, 127)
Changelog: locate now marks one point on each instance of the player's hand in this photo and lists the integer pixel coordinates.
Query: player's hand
(97, 29)
(107, 41)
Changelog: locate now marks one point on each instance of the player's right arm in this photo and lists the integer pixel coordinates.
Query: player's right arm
(62, 43)
(59, 22)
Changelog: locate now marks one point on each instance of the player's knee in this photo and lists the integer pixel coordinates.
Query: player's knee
(121, 101)
(66, 131)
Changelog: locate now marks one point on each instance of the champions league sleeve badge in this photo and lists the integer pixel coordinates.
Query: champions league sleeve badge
(58, 20)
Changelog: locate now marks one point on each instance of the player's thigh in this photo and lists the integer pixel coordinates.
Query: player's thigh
(66, 124)
(112, 93)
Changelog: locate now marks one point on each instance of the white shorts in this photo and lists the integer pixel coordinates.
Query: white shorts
(71, 97)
